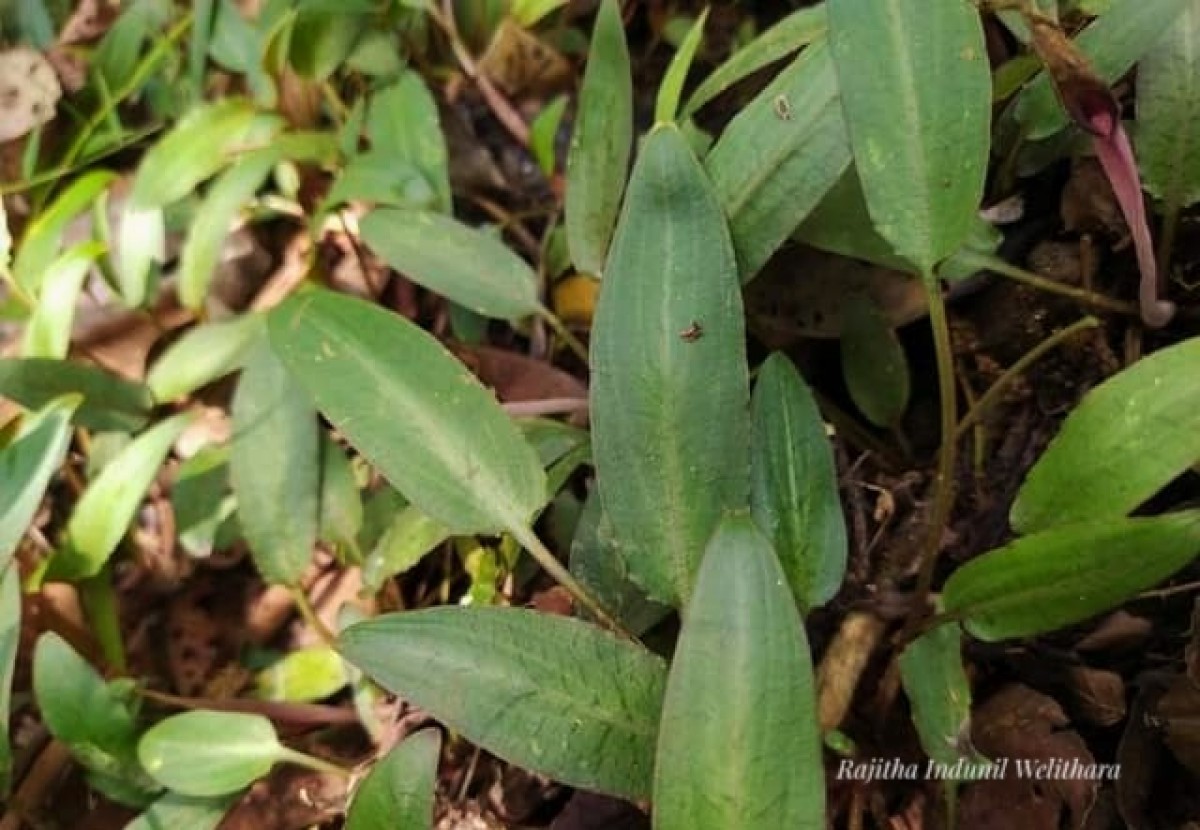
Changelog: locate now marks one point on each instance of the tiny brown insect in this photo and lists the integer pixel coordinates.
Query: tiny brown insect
(692, 333)
(783, 108)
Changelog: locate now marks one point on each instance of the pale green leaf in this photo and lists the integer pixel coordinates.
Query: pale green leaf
(48, 332)
(203, 354)
(10, 639)
(304, 674)
(398, 792)
(182, 755)
(44, 234)
(141, 243)
(180, 812)
(670, 91)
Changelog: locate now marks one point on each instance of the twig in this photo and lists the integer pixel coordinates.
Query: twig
(1012, 272)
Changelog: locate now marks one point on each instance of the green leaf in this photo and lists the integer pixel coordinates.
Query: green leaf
(463, 264)
(10, 639)
(1168, 105)
(44, 235)
(794, 492)
(201, 501)
(275, 467)
(931, 669)
(779, 157)
(181, 812)
(321, 40)
(669, 393)
(341, 513)
(407, 539)
(529, 12)
(377, 177)
(402, 123)
(874, 364)
(108, 505)
(182, 755)
(91, 717)
(798, 29)
(582, 707)
(543, 133)
(48, 333)
(26, 466)
(740, 698)
(203, 354)
(398, 792)
(919, 126)
(109, 403)
(141, 243)
(1127, 439)
(1061, 576)
(598, 160)
(670, 91)
(213, 221)
(196, 148)
(305, 674)
(412, 410)
(1113, 43)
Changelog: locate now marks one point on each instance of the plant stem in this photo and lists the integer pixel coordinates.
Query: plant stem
(100, 603)
(573, 343)
(1166, 241)
(310, 616)
(563, 577)
(301, 759)
(1081, 295)
(980, 408)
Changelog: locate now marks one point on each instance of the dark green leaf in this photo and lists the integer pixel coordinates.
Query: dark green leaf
(582, 707)
(402, 123)
(26, 466)
(931, 669)
(341, 514)
(398, 792)
(109, 403)
(407, 539)
(320, 41)
(874, 364)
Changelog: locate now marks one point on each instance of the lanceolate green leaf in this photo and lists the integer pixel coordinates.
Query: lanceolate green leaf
(581, 706)
(398, 793)
(598, 160)
(1067, 574)
(203, 354)
(794, 491)
(931, 668)
(739, 699)
(669, 397)
(671, 89)
(1113, 43)
(916, 92)
(779, 157)
(26, 466)
(44, 235)
(214, 218)
(1168, 108)
(1126, 440)
(412, 410)
(141, 242)
(798, 29)
(403, 125)
(463, 264)
(10, 639)
(107, 507)
(275, 467)
(48, 332)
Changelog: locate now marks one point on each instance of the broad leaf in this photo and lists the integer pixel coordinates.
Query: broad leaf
(669, 397)
(798, 29)
(26, 466)
(181, 754)
(779, 157)
(931, 669)
(581, 707)
(463, 264)
(108, 505)
(402, 123)
(598, 160)
(1057, 577)
(275, 467)
(1127, 439)
(740, 699)
(398, 792)
(412, 410)
(203, 354)
(794, 491)
(919, 126)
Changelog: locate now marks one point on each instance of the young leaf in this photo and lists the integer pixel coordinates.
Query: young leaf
(931, 669)
(275, 467)
(398, 792)
(671, 89)
(107, 507)
(598, 159)
(1127, 439)
(543, 133)
(874, 364)
(779, 157)
(582, 707)
(48, 332)
(109, 403)
(669, 397)
(1168, 105)
(1113, 43)
(203, 354)
(199, 145)
(794, 493)
(403, 125)
(10, 638)
(180, 812)
(304, 674)
(1060, 576)
(463, 264)
(141, 242)
(44, 235)
(739, 699)
(412, 410)
(213, 220)
(920, 128)
(798, 29)
(26, 466)
(181, 754)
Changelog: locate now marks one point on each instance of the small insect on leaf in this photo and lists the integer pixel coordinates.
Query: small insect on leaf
(783, 107)
(692, 333)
